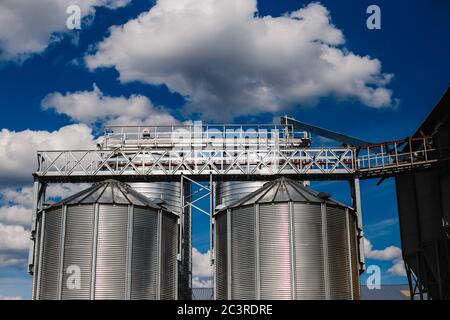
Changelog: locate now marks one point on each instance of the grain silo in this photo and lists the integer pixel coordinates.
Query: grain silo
(107, 242)
(170, 193)
(228, 192)
(286, 241)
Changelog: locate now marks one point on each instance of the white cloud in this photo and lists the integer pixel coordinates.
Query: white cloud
(17, 196)
(391, 253)
(201, 283)
(201, 264)
(28, 27)
(93, 106)
(398, 269)
(14, 238)
(10, 298)
(23, 196)
(15, 220)
(15, 215)
(14, 259)
(18, 149)
(228, 61)
(386, 254)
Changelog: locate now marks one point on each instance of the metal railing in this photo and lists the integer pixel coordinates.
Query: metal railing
(202, 136)
(397, 155)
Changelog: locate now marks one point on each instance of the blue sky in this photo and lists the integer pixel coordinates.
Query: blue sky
(412, 45)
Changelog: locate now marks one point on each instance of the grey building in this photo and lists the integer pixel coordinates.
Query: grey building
(424, 209)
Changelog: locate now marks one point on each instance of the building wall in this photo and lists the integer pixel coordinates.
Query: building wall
(424, 214)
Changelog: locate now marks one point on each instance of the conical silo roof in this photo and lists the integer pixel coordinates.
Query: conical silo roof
(109, 192)
(285, 190)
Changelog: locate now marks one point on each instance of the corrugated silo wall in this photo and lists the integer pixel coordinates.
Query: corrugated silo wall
(424, 208)
(121, 252)
(170, 192)
(286, 251)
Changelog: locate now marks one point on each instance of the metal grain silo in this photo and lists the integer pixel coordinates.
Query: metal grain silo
(171, 194)
(107, 242)
(228, 192)
(286, 241)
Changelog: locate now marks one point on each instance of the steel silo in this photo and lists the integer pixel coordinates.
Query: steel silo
(107, 242)
(228, 192)
(171, 194)
(286, 241)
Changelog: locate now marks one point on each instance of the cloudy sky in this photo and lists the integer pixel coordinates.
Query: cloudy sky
(168, 61)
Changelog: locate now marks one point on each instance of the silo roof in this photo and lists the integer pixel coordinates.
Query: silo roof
(285, 190)
(109, 192)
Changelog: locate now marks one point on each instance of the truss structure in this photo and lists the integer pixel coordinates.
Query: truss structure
(148, 164)
(153, 163)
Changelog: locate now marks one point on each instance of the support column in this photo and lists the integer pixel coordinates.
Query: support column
(38, 202)
(211, 233)
(356, 204)
(39, 189)
(189, 202)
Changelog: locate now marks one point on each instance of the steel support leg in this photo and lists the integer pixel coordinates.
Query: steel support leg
(356, 204)
(409, 276)
(189, 202)
(39, 189)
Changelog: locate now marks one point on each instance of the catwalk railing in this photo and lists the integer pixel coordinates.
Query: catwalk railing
(371, 161)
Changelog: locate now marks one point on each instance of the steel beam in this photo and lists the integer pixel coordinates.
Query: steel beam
(355, 190)
(39, 189)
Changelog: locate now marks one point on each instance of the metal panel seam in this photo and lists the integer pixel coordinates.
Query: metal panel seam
(61, 252)
(257, 242)
(325, 250)
(94, 252)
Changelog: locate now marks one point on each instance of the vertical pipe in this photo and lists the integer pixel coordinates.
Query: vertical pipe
(211, 213)
(212, 232)
(190, 250)
(41, 245)
(180, 244)
(32, 247)
(38, 202)
(36, 255)
(356, 204)
(214, 266)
